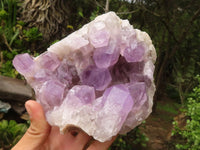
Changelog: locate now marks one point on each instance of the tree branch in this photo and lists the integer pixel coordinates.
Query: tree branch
(1, 56)
(169, 30)
(125, 13)
(163, 21)
(6, 42)
(153, 13)
(168, 57)
(185, 31)
(107, 6)
(98, 4)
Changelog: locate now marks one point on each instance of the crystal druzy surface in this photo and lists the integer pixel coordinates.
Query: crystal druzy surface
(99, 78)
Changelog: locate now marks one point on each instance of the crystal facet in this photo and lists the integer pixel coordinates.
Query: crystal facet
(99, 78)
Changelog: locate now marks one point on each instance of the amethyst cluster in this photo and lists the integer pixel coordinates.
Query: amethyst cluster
(99, 78)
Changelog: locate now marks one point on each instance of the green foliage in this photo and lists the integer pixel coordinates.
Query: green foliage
(8, 15)
(32, 34)
(3, 14)
(14, 37)
(10, 133)
(54, 42)
(172, 92)
(94, 14)
(6, 68)
(9, 7)
(135, 138)
(169, 108)
(190, 134)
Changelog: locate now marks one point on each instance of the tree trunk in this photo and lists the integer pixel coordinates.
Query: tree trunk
(49, 16)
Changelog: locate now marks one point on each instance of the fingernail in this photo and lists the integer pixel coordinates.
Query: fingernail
(28, 109)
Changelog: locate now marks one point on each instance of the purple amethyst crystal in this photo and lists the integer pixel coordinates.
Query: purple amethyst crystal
(134, 53)
(24, 64)
(99, 78)
(96, 77)
(106, 56)
(98, 34)
(80, 95)
(52, 93)
(48, 61)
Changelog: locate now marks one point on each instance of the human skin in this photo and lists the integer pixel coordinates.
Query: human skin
(41, 136)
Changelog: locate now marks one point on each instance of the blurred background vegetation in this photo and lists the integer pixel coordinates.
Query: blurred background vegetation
(174, 26)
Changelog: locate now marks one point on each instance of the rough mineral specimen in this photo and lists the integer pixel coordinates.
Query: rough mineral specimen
(99, 78)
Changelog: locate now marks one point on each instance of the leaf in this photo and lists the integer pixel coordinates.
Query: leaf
(4, 124)
(70, 27)
(14, 37)
(12, 123)
(198, 63)
(81, 14)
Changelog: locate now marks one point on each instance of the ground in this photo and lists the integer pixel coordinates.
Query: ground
(158, 126)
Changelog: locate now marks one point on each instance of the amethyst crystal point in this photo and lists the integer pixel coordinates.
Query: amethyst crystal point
(96, 77)
(81, 94)
(51, 93)
(135, 53)
(118, 104)
(48, 61)
(99, 35)
(42, 76)
(139, 111)
(24, 64)
(99, 78)
(64, 73)
(107, 56)
(138, 93)
(118, 100)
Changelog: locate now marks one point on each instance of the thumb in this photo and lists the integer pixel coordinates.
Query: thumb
(37, 133)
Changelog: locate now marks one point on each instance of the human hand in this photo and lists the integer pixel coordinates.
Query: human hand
(41, 136)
